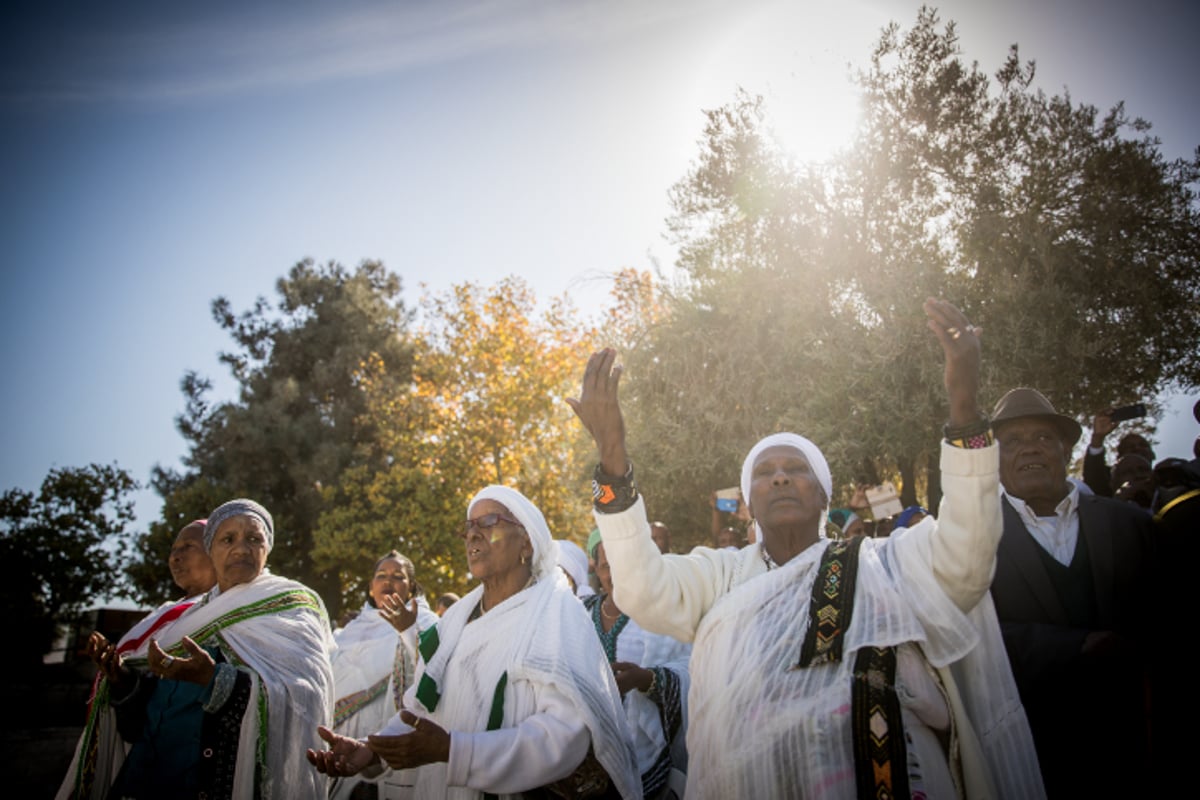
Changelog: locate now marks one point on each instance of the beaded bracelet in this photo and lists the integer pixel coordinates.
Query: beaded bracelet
(973, 436)
(610, 494)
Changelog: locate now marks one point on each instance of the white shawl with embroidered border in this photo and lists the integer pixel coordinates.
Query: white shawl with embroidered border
(276, 629)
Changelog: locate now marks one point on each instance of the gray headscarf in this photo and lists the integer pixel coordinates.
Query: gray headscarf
(545, 551)
(236, 508)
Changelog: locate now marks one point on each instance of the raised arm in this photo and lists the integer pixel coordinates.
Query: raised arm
(665, 594)
(969, 522)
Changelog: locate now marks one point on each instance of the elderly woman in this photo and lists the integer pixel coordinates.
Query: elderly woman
(652, 676)
(212, 704)
(513, 691)
(871, 667)
(376, 654)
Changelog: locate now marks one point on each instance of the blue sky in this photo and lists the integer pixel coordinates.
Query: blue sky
(156, 155)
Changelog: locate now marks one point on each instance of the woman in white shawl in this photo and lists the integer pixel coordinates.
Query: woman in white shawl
(216, 700)
(376, 654)
(651, 672)
(513, 692)
(898, 686)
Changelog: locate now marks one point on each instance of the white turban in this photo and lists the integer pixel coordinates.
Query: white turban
(545, 552)
(575, 562)
(816, 460)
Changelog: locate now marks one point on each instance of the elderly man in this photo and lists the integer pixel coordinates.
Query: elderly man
(1071, 593)
(837, 670)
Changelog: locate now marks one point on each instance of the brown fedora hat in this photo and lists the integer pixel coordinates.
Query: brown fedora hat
(1023, 402)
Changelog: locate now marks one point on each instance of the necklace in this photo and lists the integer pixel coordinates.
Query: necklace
(605, 614)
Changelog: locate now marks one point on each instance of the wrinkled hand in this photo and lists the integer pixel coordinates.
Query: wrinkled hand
(344, 757)
(394, 610)
(631, 676)
(196, 667)
(425, 745)
(599, 409)
(960, 344)
(104, 653)
(1102, 425)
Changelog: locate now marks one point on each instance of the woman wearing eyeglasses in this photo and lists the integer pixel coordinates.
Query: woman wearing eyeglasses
(513, 691)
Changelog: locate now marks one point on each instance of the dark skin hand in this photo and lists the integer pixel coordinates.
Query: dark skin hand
(599, 408)
(344, 757)
(631, 676)
(196, 667)
(962, 359)
(401, 616)
(104, 654)
(425, 745)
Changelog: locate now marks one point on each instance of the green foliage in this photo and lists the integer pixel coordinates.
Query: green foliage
(299, 420)
(61, 550)
(1063, 233)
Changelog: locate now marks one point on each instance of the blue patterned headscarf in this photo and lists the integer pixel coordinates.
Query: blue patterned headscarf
(236, 508)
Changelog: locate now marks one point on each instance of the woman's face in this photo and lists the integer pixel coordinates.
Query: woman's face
(603, 571)
(496, 552)
(391, 577)
(239, 550)
(190, 564)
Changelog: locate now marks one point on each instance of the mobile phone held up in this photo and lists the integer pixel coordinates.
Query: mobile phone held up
(1124, 413)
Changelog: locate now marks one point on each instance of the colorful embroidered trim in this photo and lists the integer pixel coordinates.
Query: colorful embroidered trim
(169, 616)
(351, 704)
(880, 757)
(832, 603)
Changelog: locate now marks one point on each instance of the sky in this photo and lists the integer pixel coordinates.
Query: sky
(157, 155)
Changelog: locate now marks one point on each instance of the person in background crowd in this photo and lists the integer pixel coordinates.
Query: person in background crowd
(651, 674)
(574, 565)
(1095, 467)
(376, 658)
(1072, 588)
(661, 535)
(444, 602)
(909, 517)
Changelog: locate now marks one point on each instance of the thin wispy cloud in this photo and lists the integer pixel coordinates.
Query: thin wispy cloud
(242, 51)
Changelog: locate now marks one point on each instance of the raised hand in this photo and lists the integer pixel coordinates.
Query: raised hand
(400, 616)
(960, 344)
(344, 757)
(599, 409)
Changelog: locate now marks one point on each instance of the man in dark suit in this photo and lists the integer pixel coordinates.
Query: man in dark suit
(1072, 584)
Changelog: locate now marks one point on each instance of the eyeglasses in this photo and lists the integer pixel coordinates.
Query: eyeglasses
(485, 523)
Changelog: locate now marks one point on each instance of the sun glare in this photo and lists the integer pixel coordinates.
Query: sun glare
(799, 60)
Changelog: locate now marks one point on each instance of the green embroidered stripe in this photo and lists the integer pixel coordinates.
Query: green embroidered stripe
(269, 605)
(428, 643)
(496, 715)
(427, 688)
(351, 704)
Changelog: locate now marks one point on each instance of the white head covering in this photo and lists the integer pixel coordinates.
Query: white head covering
(572, 559)
(545, 552)
(816, 460)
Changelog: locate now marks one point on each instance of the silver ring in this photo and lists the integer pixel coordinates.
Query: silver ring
(167, 661)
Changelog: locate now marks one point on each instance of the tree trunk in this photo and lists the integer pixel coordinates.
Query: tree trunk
(908, 481)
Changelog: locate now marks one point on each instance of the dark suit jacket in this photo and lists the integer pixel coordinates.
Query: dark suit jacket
(1085, 710)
